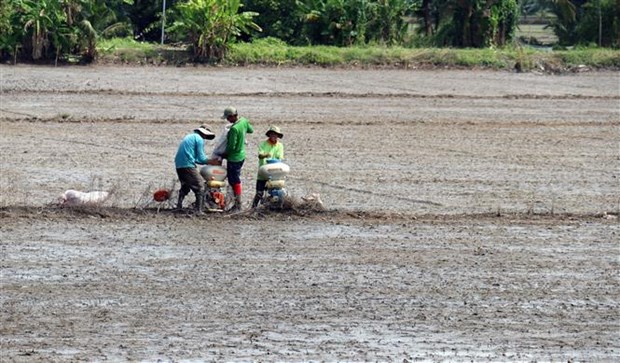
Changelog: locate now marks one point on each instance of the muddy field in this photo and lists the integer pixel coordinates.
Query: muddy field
(469, 215)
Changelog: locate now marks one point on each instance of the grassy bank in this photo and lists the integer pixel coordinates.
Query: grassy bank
(271, 52)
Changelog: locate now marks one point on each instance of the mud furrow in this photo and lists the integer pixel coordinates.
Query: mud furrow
(111, 214)
(405, 95)
(69, 119)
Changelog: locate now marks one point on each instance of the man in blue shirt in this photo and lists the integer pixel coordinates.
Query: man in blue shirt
(191, 152)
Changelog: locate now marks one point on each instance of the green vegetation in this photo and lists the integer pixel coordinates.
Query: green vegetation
(127, 50)
(599, 58)
(270, 52)
(325, 32)
(210, 25)
(274, 52)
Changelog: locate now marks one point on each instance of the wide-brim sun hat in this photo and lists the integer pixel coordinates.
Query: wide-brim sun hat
(205, 132)
(228, 111)
(275, 130)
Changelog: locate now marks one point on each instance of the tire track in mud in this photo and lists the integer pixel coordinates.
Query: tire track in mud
(405, 95)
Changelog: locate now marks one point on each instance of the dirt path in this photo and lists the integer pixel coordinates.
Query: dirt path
(470, 216)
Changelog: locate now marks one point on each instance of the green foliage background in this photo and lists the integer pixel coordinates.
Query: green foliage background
(374, 31)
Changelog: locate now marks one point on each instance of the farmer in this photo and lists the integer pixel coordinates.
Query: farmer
(191, 152)
(271, 148)
(235, 151)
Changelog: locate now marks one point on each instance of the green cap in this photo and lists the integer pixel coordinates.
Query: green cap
(229, 111)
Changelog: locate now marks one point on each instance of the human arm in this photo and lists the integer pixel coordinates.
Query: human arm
(263, 154)
(264, 150)
(249, 128)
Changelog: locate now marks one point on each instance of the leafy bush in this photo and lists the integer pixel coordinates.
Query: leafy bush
(210, 26)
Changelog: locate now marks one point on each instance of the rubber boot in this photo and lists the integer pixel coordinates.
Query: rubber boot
(257, 199)
(200, 203)
(180, 200)
(237, 206)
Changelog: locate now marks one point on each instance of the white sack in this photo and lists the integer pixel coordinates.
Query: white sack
(220, 144)
(73, 197)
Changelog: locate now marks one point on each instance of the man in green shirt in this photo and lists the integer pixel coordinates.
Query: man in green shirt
(235, 151)
(268, 149)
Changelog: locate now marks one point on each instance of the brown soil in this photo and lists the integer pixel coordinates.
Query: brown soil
(469, 215)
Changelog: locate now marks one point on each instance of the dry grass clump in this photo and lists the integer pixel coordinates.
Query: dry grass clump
(312, 203)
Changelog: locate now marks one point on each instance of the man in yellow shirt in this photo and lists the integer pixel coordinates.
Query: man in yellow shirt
(271, 148)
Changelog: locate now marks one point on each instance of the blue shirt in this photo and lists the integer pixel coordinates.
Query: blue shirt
(191, 152)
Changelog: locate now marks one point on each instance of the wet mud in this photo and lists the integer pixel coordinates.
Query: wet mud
(467, 216)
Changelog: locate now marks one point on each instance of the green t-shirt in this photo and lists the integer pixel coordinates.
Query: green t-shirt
(235, 141)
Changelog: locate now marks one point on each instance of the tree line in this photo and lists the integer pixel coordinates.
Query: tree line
(44, 30)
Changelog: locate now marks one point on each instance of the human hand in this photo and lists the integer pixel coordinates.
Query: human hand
(263, 155)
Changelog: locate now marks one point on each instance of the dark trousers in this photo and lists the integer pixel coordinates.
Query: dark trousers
(233, 169)
(190, 179)
(260, 187)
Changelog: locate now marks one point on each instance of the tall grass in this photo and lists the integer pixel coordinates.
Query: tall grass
(128, 50)
(273, 52)
(606, 58)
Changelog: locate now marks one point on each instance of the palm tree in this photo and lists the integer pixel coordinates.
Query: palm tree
(91, 19)
(565, 23)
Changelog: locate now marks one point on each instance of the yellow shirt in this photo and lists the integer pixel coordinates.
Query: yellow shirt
(274, 151)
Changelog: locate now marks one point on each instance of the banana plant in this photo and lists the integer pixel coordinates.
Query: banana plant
(40, 19)
(211, 25)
